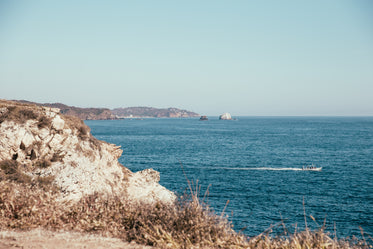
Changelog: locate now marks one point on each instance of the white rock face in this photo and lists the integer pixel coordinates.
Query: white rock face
(81, 165)
(225, 116)
(58, 123)
(144, 184)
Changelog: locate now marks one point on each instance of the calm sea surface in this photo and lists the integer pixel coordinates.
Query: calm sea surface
(254, 163)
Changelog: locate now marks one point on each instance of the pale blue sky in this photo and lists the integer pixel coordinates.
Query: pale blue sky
(243, 57)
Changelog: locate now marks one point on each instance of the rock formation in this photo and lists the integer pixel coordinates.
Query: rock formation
(40, 143)
(225, 116)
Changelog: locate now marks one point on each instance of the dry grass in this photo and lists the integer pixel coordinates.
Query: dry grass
(306, 239)
(44, 122)
(181, 226)
(83, 131)
(188, 224)
(78, 124)
(43, 163)
(19, 114)
(10, 171)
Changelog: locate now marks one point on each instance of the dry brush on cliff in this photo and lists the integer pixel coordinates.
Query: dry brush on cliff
(187, 224)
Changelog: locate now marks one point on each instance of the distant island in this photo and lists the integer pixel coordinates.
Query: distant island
(117, 113)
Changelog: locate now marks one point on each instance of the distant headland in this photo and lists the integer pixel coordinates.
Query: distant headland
(151, 112)
(117, 113)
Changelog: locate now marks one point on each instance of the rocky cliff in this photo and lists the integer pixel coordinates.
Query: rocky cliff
(40, 145)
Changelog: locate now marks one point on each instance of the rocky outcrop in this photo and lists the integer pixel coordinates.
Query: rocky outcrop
(225, 116)
(40, 143)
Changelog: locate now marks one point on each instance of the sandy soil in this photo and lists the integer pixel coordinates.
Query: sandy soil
(39, 238)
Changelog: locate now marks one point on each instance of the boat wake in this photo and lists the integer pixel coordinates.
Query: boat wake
(263, 168)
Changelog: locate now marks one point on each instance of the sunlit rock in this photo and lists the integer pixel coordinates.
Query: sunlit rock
(225, 116)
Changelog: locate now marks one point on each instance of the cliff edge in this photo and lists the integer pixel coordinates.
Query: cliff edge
(39, 145)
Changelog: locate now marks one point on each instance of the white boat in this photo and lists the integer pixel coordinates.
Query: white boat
(311, 168)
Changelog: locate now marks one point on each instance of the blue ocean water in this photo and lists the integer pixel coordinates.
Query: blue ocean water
(254, 163)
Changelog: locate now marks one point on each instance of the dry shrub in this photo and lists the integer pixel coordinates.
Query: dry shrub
(78, 124)
(44, 122)
(83, 131)
(187, 224)
(19, 114)
(307, 239)
(43, 163)
(181, 226)
(25, 114)
(46, 183)
(25, 207)
(9, 166)
(9, 170)
(72, 121)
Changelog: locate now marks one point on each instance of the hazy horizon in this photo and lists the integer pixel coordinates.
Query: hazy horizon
(269, 58)
(202, 114)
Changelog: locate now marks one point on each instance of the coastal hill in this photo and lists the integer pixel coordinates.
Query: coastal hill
(107, 114)
(151, 112)
(82, 113)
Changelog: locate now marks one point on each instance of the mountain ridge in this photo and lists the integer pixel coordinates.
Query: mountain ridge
(92, 113)
(152, 112)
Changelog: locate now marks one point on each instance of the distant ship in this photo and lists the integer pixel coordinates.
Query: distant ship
(203, 118)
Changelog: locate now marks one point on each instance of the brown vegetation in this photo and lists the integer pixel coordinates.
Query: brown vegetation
(44, 122)
(188, 224)
(43, 163)
(10, 171)
(18, 114)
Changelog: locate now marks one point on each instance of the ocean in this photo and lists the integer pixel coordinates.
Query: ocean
(254, 163)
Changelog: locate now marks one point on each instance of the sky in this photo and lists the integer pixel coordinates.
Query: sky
(255, 58)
